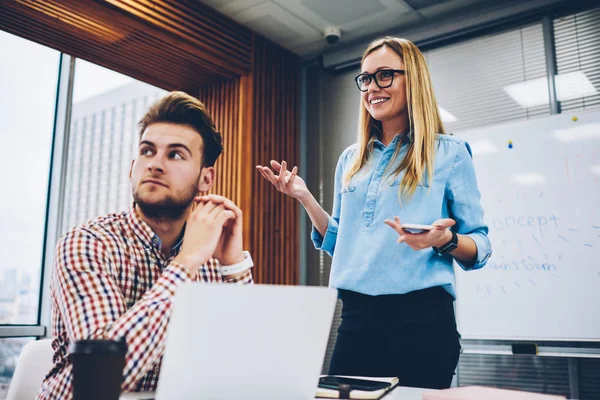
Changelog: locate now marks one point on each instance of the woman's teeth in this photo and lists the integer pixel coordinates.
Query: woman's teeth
(377, 101)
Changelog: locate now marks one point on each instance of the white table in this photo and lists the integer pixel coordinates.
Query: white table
(400, 393)
(406, 393)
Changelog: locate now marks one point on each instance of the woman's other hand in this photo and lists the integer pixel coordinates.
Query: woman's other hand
(286, 182)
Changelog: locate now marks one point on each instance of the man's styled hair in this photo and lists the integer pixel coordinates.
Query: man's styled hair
(181, 108)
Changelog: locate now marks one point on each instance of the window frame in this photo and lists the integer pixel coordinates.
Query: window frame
(54, 195)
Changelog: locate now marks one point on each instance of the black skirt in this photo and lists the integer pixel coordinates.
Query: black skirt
(411, 336)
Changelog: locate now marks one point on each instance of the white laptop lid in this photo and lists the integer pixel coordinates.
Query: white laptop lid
(251, 341)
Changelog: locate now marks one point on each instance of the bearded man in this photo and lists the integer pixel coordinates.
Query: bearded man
(115, 276)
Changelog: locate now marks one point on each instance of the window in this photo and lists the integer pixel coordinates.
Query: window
(482, 90)
(103, 141)
(28, 86)
(577, 43)
(28, 83)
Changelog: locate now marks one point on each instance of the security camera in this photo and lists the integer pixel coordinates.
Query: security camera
(332, 35)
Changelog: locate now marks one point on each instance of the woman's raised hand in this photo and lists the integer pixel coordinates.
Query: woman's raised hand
(286, 182)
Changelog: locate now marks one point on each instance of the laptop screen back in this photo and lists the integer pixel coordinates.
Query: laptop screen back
(254, 341)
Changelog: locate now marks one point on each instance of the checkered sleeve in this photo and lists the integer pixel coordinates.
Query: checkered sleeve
(93, 306)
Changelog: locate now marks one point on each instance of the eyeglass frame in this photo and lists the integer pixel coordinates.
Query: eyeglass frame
(374, 78)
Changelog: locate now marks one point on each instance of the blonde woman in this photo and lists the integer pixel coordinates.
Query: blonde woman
(397, 287)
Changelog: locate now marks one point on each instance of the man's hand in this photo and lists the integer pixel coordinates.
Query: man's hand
(229, 249)
(203, 233)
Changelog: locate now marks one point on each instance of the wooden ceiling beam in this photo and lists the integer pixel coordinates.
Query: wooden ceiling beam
(174, 45)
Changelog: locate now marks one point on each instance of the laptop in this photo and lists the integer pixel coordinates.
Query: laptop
(246, 342)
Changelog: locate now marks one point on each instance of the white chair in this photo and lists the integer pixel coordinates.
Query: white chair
(34, 364)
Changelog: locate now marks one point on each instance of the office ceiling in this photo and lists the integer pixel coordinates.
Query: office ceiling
(298, 25)
(132, 38)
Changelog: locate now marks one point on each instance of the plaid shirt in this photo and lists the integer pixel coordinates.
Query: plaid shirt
(110, 280)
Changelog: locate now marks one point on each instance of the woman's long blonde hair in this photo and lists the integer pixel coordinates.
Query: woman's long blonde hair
(423, 117)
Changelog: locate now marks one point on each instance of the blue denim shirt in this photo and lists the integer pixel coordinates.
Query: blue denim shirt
(366, 257)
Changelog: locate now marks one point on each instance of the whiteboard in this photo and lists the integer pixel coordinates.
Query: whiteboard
(542, 205)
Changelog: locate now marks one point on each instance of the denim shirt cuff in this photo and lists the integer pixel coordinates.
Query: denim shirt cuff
(326, 243)
(484, 252)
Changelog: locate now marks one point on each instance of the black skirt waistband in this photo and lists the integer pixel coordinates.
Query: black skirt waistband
(420, 306)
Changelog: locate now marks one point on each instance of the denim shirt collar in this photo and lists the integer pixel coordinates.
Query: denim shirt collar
(403, 138)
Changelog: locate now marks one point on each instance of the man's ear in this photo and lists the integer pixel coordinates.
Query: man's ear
(207, 180)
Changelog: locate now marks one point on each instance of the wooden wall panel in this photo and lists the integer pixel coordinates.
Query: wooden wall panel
(258, 117)
(223, 102)
(275, 136)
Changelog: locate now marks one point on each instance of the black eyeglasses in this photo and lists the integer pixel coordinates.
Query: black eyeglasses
(383, 78)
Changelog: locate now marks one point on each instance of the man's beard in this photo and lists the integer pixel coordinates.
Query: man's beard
(168, 209)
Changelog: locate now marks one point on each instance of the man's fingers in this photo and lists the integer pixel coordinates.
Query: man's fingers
(231, 206)
(225, 216)
(214, 198)
(216, 211)
(203, 207)
(221, 200)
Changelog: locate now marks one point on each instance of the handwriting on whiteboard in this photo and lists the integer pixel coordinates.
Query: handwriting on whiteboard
(538, 222)
(525, 264)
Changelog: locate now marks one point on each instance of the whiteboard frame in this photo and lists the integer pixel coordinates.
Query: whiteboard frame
(543, 351)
